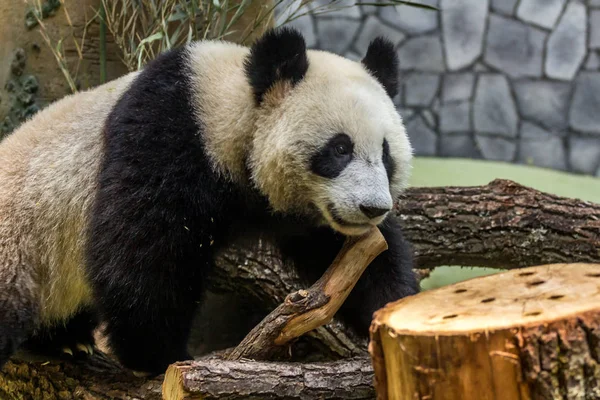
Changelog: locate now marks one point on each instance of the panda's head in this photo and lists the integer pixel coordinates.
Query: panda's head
(328, 140)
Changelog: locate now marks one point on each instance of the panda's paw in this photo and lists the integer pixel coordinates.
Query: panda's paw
(78, 350)
(75, 339)
(61, 347)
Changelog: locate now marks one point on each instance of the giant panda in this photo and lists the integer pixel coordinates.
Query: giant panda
(114, 201)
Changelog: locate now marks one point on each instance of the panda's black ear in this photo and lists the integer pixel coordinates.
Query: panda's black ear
(382, 62)
(279, 56)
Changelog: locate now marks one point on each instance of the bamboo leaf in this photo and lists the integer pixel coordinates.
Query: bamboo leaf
(151, 38)
(239, 12)
(177, 16)
(400, 2)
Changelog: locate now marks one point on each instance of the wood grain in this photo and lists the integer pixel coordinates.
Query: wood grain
(519, 335)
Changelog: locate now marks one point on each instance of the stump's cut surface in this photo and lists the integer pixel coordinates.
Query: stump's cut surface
(531, 333)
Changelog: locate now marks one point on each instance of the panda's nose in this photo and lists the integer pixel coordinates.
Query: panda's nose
(373, 212)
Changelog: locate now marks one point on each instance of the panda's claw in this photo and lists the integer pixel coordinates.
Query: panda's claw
(90, 349)
(67, 350)
(83, 348)
(141, 374)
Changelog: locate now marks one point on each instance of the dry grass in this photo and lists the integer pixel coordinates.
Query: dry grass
(142, 29)
(145, 28)
(57, 48)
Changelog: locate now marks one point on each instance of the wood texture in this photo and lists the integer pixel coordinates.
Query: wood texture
(524, 334)
(304, 310)
(502, 224)
(228, 380)
(256, 270)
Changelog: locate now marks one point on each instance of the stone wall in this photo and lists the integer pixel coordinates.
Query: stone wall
(508, 80)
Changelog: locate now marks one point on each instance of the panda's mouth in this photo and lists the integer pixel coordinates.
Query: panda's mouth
(335, 216)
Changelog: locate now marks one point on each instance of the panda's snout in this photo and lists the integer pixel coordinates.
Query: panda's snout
(359, 197)
(373, 211)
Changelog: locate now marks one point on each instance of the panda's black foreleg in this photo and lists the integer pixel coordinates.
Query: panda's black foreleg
(147, 258)
(148, 318)
(388, 278)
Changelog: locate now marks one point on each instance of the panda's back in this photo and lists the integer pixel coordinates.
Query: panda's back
(48, 168)
(51, 167)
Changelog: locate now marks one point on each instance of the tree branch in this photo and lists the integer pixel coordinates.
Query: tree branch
(229, 380)
(257, 271)
(305, 310)
(502, 224)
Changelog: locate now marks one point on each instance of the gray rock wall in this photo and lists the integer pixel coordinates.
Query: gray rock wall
(507, 80)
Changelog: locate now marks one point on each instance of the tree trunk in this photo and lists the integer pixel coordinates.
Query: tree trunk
(524, 334)
(31, 77)
(446, 225)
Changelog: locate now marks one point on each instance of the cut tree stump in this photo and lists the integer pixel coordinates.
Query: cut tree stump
(532, 333)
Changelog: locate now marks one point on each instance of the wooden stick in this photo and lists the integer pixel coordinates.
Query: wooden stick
(229, 380)
(305, 310)
(525, 334)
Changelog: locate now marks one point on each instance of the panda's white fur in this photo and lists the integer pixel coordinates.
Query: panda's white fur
(50, 166)
(48, 169)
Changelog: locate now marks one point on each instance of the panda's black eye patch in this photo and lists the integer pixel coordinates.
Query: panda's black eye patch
(330, 160)
(388, 161)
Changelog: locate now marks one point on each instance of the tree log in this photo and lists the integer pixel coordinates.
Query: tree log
(228, 380)
(304, 310)
(525, 334)
(502, 224)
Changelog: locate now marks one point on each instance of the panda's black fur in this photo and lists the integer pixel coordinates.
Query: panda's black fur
(161, 212)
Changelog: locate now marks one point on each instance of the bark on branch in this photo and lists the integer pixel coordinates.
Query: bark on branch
(259, 273)
(502, 224)
(229, 380)
(304, 310)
